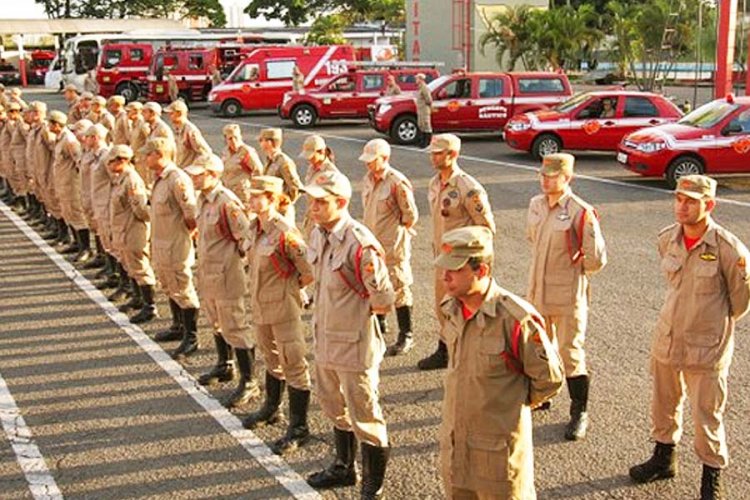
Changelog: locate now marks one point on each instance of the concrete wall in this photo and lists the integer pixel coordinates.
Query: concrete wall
(437, 29)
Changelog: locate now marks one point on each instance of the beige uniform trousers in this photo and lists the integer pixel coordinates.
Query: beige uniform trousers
(283, 348)
(350, 400)
(229, 319)
(177, 281)
(424, 119)
(707, 391)
(462, 494)
(401, 279)
(18, 178)
(439, 295)
(568, 333)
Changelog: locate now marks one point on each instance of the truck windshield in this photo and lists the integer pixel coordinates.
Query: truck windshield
(572, 103)
(437, 82)
(709, 114)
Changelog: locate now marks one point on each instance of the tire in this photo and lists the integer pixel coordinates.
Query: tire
(404, 130)
(128, 90)
(544, 145)
(304, 116)
(683, 165)
(231, 107)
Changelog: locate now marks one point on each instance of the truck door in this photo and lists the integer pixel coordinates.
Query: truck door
(448, 102)
(491, 108)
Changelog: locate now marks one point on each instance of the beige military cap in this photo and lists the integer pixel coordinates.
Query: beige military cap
(459, 245)
(156, 144)
(271, 133)
(232, 130)
(58, 117)
(152, 106)
(445, 142)
(209, 162)
(312, 144)
(177, 106)
(87, 95)
(38, 106)
(101, 101)
(71, 87)
(116, 98)
(120, 151)
(82, 126)
(329, 183)
(266, 184)
(558, 163)
(14, 106)
(134, 105)
(15, 91)
(421, 76)
(97, 129)
(696, 186)
(375, 148)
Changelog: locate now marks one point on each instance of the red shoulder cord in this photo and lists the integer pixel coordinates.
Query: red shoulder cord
(287, 270)
(362, 291)
(513, 358)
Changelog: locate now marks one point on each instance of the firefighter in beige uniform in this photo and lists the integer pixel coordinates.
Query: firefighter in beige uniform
(18, 155)
(64, 177)
(392, 87)
(390, 212)
(130, 222)
(71, 195)
(139, 132)
(96, 150)
(241, 163)
(279, 269)
(121, 127)
(424, 110)
(456, 199)
(279, 164)
(352, 286)
(99, 114)
(222, 231)
(567, 247)
(319, 159)
(158, 127)
(707, 269)
(298, 80)
(501, 364)
(173, 214)
(188, 139)
(70, 93)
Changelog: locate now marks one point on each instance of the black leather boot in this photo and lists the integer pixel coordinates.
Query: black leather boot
(175, 329)
(189, 342)
(74, 245)
(84, 246)
(578, 388)
(223, 370)
(436, 360)
(247, 387)
(405, 340)
(712, 487)
(343, 471)
(268, 414)
(63, 234)
(382, 323)
(51, 229)
(109, 273)
(136, 301)
(20, 206)
(148, 310)
(298, 433)
(661, 465)
(123, 284)
(100, 259)
(374, 461)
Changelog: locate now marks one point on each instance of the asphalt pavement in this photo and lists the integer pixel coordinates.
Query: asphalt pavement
(113, 417)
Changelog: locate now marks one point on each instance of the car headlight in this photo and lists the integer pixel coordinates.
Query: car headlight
(650, 147)
(519, 126)
(105, 79)
(384, 108)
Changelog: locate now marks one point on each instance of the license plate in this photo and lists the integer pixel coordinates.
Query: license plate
(622, 158)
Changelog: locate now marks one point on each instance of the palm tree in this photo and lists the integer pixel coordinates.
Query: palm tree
(509, 32)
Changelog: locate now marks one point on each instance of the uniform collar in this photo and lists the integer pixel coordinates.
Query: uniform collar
(339, 230)
(562, 200)
(453, 179)
(710, 237)
(168, 170)
(214, 193)
(387, 170)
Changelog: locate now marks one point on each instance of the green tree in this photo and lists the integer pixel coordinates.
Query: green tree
(296, 12)
(326, 30)
(509, 33)
(211, 10)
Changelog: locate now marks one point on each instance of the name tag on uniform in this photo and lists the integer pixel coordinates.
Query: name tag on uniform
(708, 256)
(563, 216)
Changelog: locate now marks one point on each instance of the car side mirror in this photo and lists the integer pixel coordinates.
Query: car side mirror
(733, 128)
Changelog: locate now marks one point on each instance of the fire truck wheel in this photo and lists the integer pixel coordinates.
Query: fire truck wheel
(304, 116)
(231, 107)
(683, 165)
(545, 144)
(405, 130)
(128, 91)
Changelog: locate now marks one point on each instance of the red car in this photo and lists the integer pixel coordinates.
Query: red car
(348, 95)
(594, 121)
(713, 139)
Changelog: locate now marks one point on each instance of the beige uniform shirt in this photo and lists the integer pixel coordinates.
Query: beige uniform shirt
(424, 108)
(708, 291)
(65, 169)
(393, 90)
(89, 160)
(101, 190)
(567, 247)
(278, 261)
(222, 229)
(74, 112)
(172, 205)
(326, 166)
(6, 134)
(160, 129)
(281, 165)
(129, 212)
(121, 130)
(461, 201)
(500, 363)
(389, 208)
(351, 276)
(104, 118)
(190, 144)
(239, 168)
(42, 148)
(139, 132)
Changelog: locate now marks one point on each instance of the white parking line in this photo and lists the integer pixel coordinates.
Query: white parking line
(273, 464)
(41, 483)
(517, 166)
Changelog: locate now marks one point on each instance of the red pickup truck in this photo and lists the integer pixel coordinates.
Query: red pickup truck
(470, 102)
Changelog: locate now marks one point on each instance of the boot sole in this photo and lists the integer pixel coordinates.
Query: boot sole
(654, 477)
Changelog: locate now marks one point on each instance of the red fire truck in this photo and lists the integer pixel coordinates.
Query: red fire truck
(122, 69)
(260, 81)
(40, 63)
